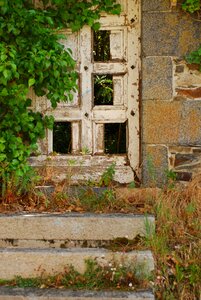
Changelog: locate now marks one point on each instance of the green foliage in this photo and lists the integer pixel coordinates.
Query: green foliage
(103, 90)
(195, 57)
(32, 57)
(191, 6)
(107, 176)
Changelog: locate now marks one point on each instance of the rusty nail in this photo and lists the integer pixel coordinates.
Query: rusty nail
(132, 67)
(132, 113)
(132, 20)
(86, 68)
(86, 115)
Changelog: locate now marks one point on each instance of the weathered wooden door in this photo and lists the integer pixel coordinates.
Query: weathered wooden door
(107, 102)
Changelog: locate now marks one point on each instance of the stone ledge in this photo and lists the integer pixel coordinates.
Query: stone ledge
(55, 294)
(35, 262)
(72, 226)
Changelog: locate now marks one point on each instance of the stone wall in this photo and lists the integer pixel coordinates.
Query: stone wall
(171, 94)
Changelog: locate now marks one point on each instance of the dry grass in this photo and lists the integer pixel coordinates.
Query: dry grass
(176, 244)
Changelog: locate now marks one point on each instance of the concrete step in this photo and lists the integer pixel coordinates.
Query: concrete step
(34, 262)
(63, 230)
(53, 294)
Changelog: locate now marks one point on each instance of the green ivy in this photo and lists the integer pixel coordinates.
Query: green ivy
(195, 57)
(32, 57)
(191, 6)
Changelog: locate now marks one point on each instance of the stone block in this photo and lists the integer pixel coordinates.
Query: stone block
(190, 93)
(172, 122)
(37, 262)
(190, 123)
(185, 161)
(161, 122)
(155, 5)
(157, 78)
(187, 80)
(169, 34)
(154, 165)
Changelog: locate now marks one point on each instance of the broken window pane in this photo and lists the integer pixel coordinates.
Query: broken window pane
(101, 45)
(103, 90)
(115, 138)
(62, 137)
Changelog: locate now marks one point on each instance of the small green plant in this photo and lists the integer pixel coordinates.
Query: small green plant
(108, 176)
(195, 57)
(132, 185)
(171, 178)
(85, 151)
(13, 186)
(191, 6)
(151, 170)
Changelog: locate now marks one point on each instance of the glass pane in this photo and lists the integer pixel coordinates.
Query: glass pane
(103, 90)
(62, 137)
(115, 138)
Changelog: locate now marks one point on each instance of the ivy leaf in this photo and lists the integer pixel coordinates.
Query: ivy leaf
(31, 82)
(2, 157)
(96, 26)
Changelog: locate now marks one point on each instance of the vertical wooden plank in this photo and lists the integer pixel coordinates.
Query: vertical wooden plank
(117, 44)
(118, 93)
(98, 138)
(50, 140)
(86, 87)
(133, 18)
(75, 134)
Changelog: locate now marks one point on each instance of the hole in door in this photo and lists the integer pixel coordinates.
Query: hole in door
(115, 138)
(62, 137)
(101, 45)
(103, 89)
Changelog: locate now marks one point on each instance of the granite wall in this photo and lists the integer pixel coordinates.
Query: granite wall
(171, 94)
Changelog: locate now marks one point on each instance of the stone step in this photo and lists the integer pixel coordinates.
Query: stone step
(53, 294)
(64, 230)
(34, 262)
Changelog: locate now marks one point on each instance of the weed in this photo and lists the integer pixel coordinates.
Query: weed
(85, 151)
(171, 178)
(13, 186)
(132, 185)
(151, 170)
(110, 276)
(176, 243)
(108, 176)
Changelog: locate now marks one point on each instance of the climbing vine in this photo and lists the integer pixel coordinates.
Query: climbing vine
(32, 57)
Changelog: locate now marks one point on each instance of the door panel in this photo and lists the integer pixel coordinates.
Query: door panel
(118, 73)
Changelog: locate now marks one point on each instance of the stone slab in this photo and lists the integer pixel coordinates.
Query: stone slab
(169, 34)
(37, 262)
(72, 226)
(55, 294)
(157, 78)
(172, 122)
(155, 164)
(156, 5)
(83, 168)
